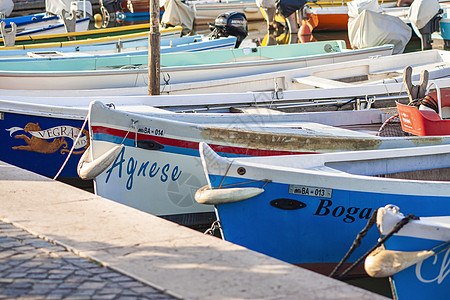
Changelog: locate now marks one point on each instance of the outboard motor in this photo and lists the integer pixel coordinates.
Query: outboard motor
(429, 28)
(230, 23)
(425, 16)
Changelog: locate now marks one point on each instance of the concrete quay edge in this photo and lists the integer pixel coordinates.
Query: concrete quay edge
(177, 260)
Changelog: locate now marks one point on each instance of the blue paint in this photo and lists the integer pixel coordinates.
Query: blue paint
(322, 232)
(427, 280)
(131, 167)
(46, 164)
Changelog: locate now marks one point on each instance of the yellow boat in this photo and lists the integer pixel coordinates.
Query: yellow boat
(87, 36)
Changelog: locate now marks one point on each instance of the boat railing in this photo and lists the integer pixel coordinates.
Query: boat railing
(438, 92)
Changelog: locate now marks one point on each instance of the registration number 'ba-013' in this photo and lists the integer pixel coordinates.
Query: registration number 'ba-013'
(310, 191)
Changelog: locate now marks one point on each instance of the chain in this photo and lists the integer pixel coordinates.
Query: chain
(214, 226)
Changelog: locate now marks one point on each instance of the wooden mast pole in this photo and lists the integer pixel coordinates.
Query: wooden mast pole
(154, 46)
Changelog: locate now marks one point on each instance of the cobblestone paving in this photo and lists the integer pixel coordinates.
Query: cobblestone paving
(32, 268)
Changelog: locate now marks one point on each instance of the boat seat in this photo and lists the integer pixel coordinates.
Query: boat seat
(320, 82)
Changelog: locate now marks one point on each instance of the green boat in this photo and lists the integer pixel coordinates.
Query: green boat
(127, 71)
(281, 55)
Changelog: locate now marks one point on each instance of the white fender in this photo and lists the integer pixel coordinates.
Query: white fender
(89, 169)
(384, 263)
(206, 195)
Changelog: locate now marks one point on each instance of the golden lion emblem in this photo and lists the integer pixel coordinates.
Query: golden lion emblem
(42, 145)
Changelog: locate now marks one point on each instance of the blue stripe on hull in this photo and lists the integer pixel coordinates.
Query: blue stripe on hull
(47, 164)
(169, 149)
(321, 232)
(427, 280)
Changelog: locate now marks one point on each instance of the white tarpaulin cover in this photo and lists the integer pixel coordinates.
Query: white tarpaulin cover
(6, 7)
(370, 28)
(178, 13)
(56, 6)
(422, 11)
(356, 7)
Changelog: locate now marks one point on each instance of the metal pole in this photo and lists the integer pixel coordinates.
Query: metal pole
(154, 46)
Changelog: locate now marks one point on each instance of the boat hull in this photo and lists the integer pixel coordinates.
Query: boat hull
(41, 144)
(311, 217)
(175, 69)
(168, 169)
(428, 279)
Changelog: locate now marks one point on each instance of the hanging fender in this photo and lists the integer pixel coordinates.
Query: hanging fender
(384, 263)
(89, 169)
(206, 195)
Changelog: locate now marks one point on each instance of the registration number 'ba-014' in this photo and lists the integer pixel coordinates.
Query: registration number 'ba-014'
(310, 191)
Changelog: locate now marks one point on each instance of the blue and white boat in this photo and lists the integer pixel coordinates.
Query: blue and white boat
(27, 20)
(52, 20)
(307, 209)
(417, 256)
(111, 50)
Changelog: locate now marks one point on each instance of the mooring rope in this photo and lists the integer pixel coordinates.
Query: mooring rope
(356, 242)
(73, 147)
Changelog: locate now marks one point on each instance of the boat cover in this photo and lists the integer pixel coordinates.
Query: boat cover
(178, 13)
(56, 6)
(422, 11)
(6, 7)
(368, 27)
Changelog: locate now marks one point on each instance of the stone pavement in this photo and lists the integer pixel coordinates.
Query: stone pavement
(31, 267)
(176, 261)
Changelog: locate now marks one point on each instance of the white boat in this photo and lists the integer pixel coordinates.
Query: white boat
(160, 156)
(111, 51)
(366, 79)
(180, 67)
(53, 20)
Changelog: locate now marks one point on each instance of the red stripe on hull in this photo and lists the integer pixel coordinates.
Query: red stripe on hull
(192, 144)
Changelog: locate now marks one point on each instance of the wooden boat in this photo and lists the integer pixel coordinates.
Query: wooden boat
(23, 21)
(83, 35)
(306, 197)
(117, 46)
(51, 27)
(111, 51)
(373, 78)
(416, 257)
(178, 67)
(53, 20)
(161, 151)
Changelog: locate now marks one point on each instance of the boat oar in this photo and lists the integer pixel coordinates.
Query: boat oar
(383, 263)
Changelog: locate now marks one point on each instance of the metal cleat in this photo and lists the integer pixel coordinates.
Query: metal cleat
(69, 23)
(9, 37)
